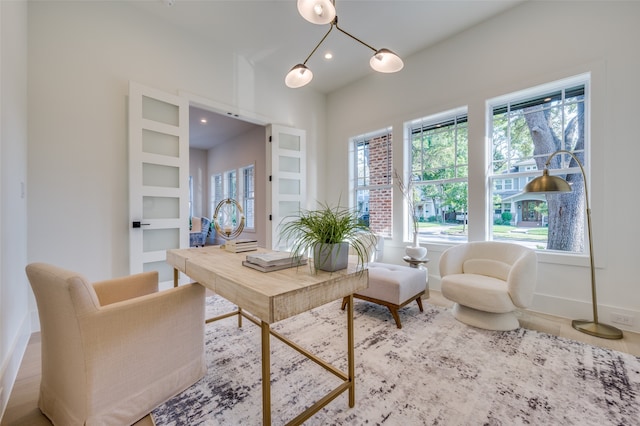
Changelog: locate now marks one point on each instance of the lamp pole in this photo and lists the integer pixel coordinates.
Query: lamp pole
(546, 183)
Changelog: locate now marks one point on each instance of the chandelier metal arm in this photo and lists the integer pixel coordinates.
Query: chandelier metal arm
(318, 45)
(335, 22)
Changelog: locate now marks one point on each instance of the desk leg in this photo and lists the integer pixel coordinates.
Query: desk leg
(266, 375)
(350, 354)
(176, 273)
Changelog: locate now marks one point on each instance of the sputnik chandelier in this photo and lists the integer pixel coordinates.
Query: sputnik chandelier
(323, 12)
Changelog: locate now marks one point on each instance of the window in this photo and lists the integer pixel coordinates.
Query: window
(230, 184)
(526, 128)
(190, 196)
(438, 147)
(248, 196)
(217, 191)
(372, 159)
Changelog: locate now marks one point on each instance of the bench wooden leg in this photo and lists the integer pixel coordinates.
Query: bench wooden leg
(394, 313)
(393, 308)
(419, 300)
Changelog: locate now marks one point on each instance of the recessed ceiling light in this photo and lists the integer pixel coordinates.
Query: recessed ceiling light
(203, 120)
(328, 55)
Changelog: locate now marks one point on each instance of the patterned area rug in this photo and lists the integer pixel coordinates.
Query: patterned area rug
(434, 371)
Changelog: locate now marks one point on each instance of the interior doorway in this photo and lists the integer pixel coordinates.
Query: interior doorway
(224, 144)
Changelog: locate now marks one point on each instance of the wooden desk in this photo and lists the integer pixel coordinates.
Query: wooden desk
(271, 297)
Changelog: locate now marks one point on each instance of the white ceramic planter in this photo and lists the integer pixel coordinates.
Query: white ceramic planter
(417, 253)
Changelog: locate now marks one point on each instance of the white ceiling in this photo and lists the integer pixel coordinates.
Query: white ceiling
(272, 35)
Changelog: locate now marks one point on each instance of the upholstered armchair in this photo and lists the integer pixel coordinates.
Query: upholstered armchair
(488, 281)
(114, 350)
(199, 231)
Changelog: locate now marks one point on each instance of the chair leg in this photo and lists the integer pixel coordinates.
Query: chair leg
(419, 300)
(394, 313)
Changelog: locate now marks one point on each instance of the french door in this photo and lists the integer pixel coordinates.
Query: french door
(158, 179)
(287, 177)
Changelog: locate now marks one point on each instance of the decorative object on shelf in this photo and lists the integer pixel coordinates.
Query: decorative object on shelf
(228, 219)
(554, 184)
(323, 12)
(328, 232)
(414, 251)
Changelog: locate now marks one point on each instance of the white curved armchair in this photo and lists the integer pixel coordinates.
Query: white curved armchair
(114, 350)
(488, 281)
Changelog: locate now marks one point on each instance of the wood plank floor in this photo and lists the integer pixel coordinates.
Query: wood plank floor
(23, 410)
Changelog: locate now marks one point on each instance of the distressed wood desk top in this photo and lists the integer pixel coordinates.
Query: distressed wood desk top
(270, 296)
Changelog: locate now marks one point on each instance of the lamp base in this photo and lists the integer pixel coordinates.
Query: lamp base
(597, 329)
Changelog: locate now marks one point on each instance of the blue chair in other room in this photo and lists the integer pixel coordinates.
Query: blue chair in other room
(199, 231)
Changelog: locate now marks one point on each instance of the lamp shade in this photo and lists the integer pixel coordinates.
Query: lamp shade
(317, 11)
(386, 61)
(299, 76)
(546, 183)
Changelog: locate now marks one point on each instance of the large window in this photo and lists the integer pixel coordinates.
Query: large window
(438, 147)
(526, 128)
(372, 172)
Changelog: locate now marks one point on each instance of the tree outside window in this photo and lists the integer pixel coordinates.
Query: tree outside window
(526, 130)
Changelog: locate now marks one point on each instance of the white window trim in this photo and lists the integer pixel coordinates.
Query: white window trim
(587, 79)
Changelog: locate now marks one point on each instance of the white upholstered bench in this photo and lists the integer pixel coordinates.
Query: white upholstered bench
(393, 286)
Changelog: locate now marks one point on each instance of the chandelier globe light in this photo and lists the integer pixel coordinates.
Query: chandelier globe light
(386, 61)
(317, 11)
(299, 76)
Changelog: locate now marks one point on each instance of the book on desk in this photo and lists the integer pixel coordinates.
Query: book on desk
(274, 261)
(241, 245)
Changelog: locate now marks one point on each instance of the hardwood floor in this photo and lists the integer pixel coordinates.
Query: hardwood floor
(23, 410)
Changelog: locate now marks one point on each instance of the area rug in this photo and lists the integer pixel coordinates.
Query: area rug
(433, 371)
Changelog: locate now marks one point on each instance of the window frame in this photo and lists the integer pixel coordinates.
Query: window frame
(530, 172)
(454, 118)
(247, 195)
(366, 185)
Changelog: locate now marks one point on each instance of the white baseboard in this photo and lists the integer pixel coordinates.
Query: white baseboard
(576, 309)
(11, 364)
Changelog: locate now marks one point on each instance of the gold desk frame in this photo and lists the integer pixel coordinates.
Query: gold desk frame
(348, 379)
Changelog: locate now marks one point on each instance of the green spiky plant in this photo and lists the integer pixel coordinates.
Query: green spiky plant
(319, 229)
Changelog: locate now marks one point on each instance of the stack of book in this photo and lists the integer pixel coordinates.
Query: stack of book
(273, 261)
(241, 245)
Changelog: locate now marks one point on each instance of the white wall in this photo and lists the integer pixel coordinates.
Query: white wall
(534, 43)
(81, 57)
(14, 288)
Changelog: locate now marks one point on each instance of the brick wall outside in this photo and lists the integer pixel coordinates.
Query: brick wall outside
(380, 174)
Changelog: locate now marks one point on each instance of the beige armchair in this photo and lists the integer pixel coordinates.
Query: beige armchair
(114, 350)
(488, 281)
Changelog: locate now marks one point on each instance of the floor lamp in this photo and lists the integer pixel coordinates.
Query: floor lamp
(552, 184)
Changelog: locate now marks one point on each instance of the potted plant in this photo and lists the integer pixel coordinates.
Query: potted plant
(328, 232)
